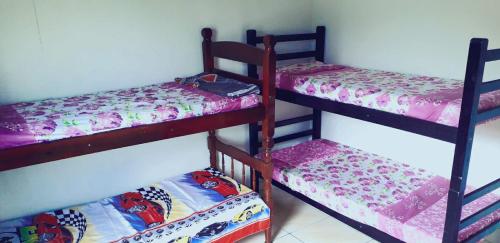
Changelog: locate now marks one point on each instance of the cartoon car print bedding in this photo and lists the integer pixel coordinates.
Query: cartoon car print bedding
(58, 118)
(406, 202)
(178, 209)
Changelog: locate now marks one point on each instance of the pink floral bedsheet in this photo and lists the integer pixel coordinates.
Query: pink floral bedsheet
(53, 119)
(428, 98)
(405, 202)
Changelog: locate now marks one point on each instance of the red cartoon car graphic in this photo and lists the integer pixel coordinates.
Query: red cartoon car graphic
(49, 230)
(208, 181)
(150, 212)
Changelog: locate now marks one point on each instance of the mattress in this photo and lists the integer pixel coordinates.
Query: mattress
(406, 202)
(59, 118)
(202, 206)
(432, 99)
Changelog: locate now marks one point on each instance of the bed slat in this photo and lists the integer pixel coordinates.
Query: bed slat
(254, 181)
(293, 136)
(232, 168)
(479, 215)
(295, 55)
(409, 124)
(481, 191)
(484, 232)
(490, 86)
(493, 55)
(245, 158)
(237, 52)
(223, 169)
(294, 37)
(243, 174)
(291, 121)
(488, 114)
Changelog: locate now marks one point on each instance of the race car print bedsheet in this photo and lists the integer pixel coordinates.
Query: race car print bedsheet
(202, 206)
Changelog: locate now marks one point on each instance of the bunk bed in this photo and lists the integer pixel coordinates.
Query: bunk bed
(203, 206)
(385, 199)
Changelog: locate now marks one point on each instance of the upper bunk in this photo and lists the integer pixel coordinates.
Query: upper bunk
(58, 128)
(428, 106)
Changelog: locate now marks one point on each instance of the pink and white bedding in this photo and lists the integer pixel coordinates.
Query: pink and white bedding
(403, 201)
(53, 119)
(428, 98)
(178, 209)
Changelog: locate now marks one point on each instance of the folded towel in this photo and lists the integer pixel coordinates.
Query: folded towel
(219, 85)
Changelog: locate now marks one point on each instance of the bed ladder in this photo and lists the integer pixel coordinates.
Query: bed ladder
(479, 55)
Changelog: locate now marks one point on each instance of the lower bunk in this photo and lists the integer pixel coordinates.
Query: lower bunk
(385, 199)
(202, 206)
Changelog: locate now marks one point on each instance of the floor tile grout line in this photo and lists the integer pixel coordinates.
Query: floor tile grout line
(281, 236)
(297, 238)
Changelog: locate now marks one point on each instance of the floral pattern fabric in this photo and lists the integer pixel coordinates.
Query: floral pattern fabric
(428, 98)
(406, 202)
(53, 119)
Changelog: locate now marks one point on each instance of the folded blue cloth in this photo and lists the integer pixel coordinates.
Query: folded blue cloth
(219, 85)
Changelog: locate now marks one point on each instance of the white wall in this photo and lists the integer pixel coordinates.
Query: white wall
(426, 37)
(54, 48)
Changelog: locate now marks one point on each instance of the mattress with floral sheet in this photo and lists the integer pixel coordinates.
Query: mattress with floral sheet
(202, 206)
(58, 118)
(405, 202)
(433, 99)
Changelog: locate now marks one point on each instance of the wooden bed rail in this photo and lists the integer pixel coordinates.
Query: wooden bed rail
(493, 55)
(318, 53)
(252, 56)
(239, 52)
(256, 164)
(22, 156)
(318, 37)
(490, 86)
(470, 116)
(258, 168)
(314, 132)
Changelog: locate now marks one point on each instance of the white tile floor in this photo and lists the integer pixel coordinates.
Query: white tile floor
(297, 222)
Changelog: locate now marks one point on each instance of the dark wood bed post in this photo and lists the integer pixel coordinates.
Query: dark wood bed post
(320, 43)
(268, 99)
(466, 127)
(208, 66)
(319, 56)
(252, 72)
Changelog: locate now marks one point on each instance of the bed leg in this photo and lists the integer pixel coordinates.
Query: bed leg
(269, 235)
(269, 201)
(211, 148)
(316, 124)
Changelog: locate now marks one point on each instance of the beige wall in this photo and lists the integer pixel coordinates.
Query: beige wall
(52, 48)
(426, 37)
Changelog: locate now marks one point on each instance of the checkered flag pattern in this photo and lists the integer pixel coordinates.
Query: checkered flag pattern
(154, 193)
(73, 218)
(214, 172)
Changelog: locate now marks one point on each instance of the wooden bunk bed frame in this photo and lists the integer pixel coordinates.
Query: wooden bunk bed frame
(462, 136)
(27, 155)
